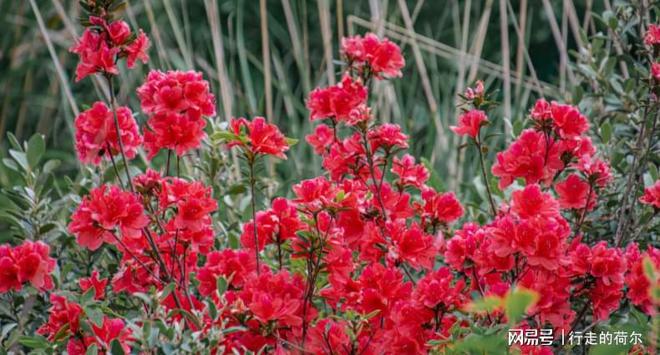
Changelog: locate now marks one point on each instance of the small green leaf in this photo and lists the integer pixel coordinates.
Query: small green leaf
(291, 141)
(34, 342)
(35, 149)
(649, 270)
(115, 348)
(224, 136)
(606, 132)
(92, 350)
(20, 158)
(222, 285)
(486, 304)
(518, 302)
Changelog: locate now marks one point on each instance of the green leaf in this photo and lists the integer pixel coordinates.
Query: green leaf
(35, 149)
(649, 270)
(291, 141)
(224, 136)
(115, 348)
(20, 158)
(486, 304)
(518, 302)
(606, 132)
(34, 342)
(222, 285)
(92, 350)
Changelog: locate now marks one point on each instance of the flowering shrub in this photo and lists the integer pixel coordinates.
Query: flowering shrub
(369, 258)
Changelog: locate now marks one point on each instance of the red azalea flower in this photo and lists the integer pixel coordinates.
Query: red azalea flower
(234, 265)
(111, 329)
(62, 313)
(442, 207)
(652, 36)
(322, 139)
(343, 102)
(574, 192)
(388, 136)
(106, 209)
(173, 131)
(28, 262)
(531, 202)
(275, 297)
(328, 336)
(568, 120)
(439, 288)
(118, 31)
(651, 195)
(96, 134)
(96, 56)
(462, 246)
(655, 71)
(94, 282)
(262, 137)
(469, 123)
(639, 285)
(411, 245)
(137, 50)
(607, 264)
(605, 299)
(382, 57)
(596, 170)
(541, 111)
(409, 173)
(177, 92)
(530, 157)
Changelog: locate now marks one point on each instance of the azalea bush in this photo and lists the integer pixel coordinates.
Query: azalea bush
(171, 242)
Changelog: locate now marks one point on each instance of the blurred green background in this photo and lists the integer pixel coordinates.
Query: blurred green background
(515, 46)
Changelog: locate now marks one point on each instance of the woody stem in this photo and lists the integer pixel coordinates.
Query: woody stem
(253, 201)
(113, 107)
(484, 175)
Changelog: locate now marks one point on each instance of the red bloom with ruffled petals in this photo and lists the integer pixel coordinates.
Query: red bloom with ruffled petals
(469, 123)
(94, 282)
(387, 136)
(262, 137)
(62, 313)
(96, 134)
(651, 195)
(441, 207)
(343, 102)
(652, 36)
(574, 192)
(531, 157)
(382, 57)
(409, 173)
(28, 262)
(105, 211)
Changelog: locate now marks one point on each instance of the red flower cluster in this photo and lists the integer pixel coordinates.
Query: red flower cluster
(96, 134)
(65, 321)
(652, 36)
(639, 284)
(176, 103)
(379, 57)
(651, 195)
(258, 137)
(104, 42)
(354, 262)
(344, 102)
(28, 262)
(469, 123)
(106, 211)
